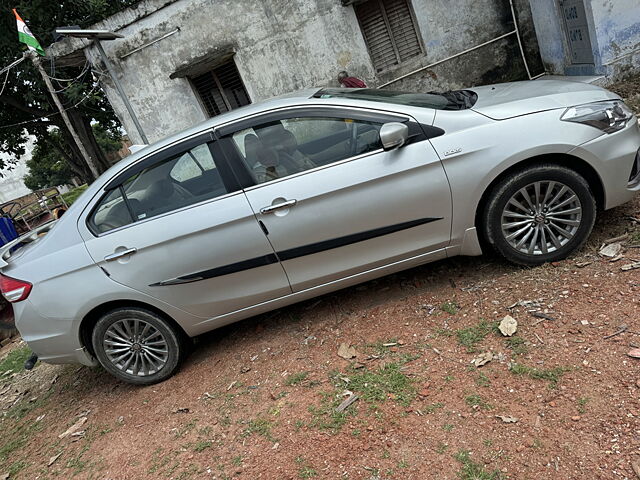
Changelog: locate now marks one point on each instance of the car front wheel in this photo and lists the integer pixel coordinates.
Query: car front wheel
(137, 345)
(539, 214)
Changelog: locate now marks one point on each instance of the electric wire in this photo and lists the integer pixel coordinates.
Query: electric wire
(93, 89)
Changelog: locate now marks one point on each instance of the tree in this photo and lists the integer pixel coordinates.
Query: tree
(25, 104)
(49, 163)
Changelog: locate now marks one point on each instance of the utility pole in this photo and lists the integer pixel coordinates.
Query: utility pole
(83, 151)
(123, 96)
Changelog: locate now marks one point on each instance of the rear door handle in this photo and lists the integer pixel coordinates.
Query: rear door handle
(117, 255)
(279, 206)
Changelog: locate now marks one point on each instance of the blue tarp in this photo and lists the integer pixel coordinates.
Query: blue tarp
(7, 231)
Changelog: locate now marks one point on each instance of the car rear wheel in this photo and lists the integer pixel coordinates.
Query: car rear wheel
(539, 214)
(137, 345)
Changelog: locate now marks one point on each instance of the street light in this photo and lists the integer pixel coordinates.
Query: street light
(96, 36)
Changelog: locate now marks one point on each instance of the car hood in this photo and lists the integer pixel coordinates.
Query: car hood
(508, 100)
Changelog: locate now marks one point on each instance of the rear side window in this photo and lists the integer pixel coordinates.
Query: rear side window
(184, 179)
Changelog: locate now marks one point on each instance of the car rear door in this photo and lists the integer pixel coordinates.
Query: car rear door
(177, 227)
(346, 206)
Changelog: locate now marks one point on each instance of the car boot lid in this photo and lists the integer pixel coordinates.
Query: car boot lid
(14, 248)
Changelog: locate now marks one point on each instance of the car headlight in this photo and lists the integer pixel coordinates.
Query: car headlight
(609, 116)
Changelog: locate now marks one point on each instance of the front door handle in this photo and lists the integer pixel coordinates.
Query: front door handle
(117, 255)
(279, 206)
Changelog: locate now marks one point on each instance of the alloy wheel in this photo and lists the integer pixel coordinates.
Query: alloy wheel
(135, 347)
(541, 217)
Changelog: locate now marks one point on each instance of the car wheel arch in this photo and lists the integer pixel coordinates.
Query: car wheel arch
(90, 319)
(572, 162)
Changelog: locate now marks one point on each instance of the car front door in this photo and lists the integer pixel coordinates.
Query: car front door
(333, 201)
(177, 227)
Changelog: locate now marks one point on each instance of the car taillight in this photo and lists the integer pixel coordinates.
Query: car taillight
(14, 290)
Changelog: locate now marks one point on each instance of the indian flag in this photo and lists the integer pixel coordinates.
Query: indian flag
(25, 35)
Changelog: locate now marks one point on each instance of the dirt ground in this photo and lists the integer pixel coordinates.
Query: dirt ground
(257, 399)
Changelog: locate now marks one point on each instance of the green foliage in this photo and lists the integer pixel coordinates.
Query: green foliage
(49, 165)
(26, 107)
(202, 445)
(517, 344)
(472, 470)
(471, 336)
(450, 307)
(482, 380)
(73, 194)
(15, 360)
(476, 401)
(386, 382)
(260, 426)
(552, 375)
(296, 378)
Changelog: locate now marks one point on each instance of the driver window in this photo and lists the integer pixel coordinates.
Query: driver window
(285, 147)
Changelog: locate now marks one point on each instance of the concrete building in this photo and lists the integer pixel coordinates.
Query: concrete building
(182, 61)
(589, 37)
(11, 178)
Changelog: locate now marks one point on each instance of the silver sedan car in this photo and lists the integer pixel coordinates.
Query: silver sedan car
(301, 195)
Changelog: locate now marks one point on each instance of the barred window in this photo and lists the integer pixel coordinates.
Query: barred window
(221, 89)
(389, 31)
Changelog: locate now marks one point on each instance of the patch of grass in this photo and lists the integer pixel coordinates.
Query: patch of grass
(476, 401)
(325, 416)
(443, 332)
(474, 471)
(441, 447)
(634, 238)
(482, 380)
(487, 442)
(237, 460)
(449, 378)
(184, 429)
(433, 407)
(202, 445)
(296, 378)
(25, 407)
(386, 382)
(15, 468)
(260, 426)
(378, 348)
(447, 427)
(15, 361)
(73, 194)
(582, 402)
(403, 463)
(552, 375)
(450, 307)
(307, 472)
(516, 344)
(471, 336)
(356, 432)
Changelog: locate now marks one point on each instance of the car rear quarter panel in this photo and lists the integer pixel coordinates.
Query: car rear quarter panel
(485, 148)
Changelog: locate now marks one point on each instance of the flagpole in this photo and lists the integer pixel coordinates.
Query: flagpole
(83, 151)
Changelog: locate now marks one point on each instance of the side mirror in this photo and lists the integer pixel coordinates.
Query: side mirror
(393, 135)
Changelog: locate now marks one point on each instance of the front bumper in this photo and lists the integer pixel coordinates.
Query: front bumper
(54, 341)
(615, 158)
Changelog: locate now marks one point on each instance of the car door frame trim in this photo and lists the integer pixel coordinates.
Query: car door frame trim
(295, 252)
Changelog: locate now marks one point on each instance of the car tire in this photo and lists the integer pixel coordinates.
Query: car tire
(539, 214)
(137, 345)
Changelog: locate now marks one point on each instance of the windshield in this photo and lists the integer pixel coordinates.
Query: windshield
(454, 100)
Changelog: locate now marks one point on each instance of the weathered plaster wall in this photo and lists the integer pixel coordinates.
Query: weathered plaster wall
(614, 31)
(550, 34)
(285, 45)
(617, 30)
(280, 46)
